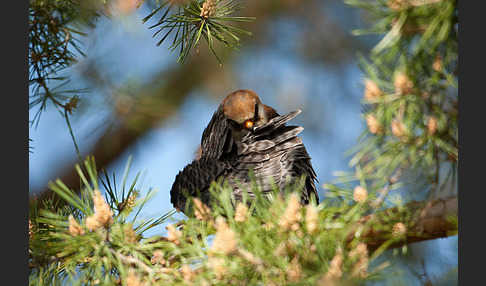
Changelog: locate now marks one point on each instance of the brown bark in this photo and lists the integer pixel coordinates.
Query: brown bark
(429, 220)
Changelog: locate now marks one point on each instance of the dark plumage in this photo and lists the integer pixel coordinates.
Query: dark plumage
(244, 135)
(195, 180)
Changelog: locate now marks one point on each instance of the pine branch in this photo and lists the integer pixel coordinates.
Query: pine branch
(192, 20)
(275, 240)
(54, 45)
(432, 220)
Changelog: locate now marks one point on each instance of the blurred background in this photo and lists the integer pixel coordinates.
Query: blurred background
(144, 105)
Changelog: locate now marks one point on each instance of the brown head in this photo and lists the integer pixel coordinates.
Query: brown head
(244, 110)
(238, 113)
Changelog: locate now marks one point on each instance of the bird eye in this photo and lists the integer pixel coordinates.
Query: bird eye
(248, 124)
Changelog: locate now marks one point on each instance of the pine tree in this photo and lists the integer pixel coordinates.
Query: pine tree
(409, 146)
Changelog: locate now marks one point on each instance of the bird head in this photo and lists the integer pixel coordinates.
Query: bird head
(244, 111)
(239, 113)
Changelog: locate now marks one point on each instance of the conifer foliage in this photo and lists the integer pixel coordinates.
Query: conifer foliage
(190, 20)
(100, 240)
(410, 93)
(54, 45)
(101, 235)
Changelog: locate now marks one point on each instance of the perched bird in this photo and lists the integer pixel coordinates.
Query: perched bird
(244, 134)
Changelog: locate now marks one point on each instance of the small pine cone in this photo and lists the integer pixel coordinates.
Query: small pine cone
(360, 194)
(158, 257)
(208, 8)
(295, 227)
(432, 125)
(372, 90)
(311, 218)
(248, 256)
(103, 214)
(225, 238)
(281, 250)
(291, 215)
(241, 212)
(399, 229)
(74, 228)
(129, 202)
(218, 265)
(360, 269)
(133, 279)
(437, 64)
(397, 5)
(335, 267)
(130, 234)
(361, 250)
(92, 223)
(187, 273)
(294, 271)
(373, 125)
(399, 129)
(173, 234)
(361, 266)
(201, 211)
(403, 84)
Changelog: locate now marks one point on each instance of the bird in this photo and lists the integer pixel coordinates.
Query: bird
(244, 135)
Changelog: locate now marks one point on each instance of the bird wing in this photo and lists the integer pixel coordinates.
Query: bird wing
(216, 139)
(301, 164)
(195, 180)
(275, 153)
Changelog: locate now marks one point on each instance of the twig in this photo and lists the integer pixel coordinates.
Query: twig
(384, 193)
(133, 260)
(72, 136)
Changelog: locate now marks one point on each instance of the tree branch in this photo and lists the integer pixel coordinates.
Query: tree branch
(430, 220)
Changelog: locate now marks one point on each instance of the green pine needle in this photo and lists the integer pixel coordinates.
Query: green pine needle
(189, 26)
